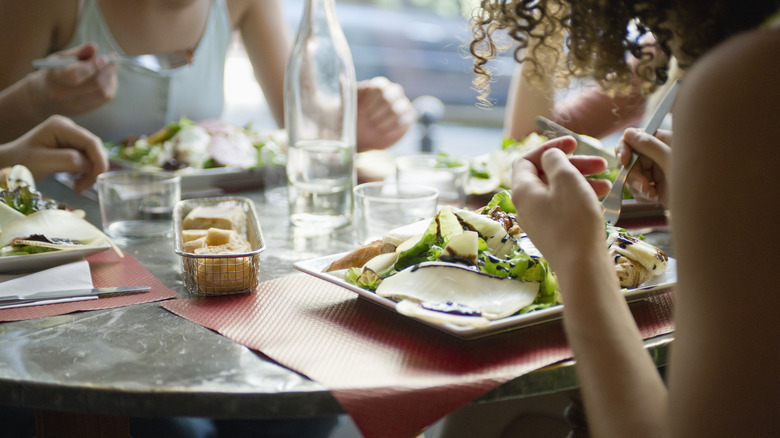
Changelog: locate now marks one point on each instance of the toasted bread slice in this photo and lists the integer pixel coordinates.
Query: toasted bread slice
(224, 217)
(360, 256)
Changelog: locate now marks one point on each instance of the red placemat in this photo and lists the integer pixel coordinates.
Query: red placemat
(107, 270)
(393, 375)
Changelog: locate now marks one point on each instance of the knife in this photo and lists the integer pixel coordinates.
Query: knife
(585, 146)
(554, 130)
(97, 292)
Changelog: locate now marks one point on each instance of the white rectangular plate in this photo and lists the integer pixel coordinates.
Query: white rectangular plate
(655, 286)
(224, 178)
(43, 260)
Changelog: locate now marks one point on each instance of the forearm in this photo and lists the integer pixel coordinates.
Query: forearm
(622, 390)
(592, 112)
(529, 97)
(267, 41)
(532, 92)
(18, 111)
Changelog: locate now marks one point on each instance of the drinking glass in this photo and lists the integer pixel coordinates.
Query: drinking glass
(138, 203)
(386, 205)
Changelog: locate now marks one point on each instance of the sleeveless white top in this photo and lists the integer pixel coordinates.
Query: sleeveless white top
(147, 101)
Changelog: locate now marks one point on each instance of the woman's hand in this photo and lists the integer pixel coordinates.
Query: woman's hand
(384, 113)
(648, 180)
(58, 145)
(556, 205)
(74, 89)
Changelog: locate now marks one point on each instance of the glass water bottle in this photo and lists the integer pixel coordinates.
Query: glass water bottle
(320, 97)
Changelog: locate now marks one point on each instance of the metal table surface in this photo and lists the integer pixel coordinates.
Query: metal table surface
(142, 360)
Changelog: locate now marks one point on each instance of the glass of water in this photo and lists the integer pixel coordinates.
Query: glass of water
(387, 205)
(138, 203)
(320, 176)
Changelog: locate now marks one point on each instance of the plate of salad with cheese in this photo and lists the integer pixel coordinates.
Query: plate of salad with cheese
(206, 153)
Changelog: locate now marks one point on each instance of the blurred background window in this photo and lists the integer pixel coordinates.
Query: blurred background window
(420, 44)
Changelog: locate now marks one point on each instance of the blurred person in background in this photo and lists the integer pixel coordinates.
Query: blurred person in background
(117, 101)
(587, 108)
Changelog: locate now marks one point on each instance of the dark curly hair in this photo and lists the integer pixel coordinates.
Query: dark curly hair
(598, 36)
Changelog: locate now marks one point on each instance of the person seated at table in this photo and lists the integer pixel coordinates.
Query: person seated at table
(588, 108)
(119, 101)
(721, 375)
(591, 109)
(58, 145)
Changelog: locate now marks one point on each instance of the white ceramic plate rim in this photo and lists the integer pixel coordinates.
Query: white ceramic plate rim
(654, 286)
(43, 260)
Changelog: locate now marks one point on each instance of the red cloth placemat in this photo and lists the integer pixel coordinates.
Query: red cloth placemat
(108, 270)
(393, 375)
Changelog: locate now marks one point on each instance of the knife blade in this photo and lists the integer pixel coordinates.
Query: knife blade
(553, 130)
(585, 145)
(96, 292)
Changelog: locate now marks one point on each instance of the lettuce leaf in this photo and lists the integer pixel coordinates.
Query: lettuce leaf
(503, 200)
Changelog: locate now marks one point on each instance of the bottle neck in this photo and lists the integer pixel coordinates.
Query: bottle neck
(320, 13)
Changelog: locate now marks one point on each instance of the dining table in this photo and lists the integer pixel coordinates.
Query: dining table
(85, 373)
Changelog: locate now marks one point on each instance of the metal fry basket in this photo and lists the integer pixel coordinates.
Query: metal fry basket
(220, 274)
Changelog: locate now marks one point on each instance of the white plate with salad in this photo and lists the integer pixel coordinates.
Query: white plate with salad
(45, 260)
(474, 272)
(316, 267)
(37, 232)
(207, 154)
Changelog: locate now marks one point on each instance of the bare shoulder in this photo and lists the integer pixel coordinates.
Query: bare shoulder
(732, 92)
(242, 11)
(742, 70)
(724, 167)
(726, 116)
(32, 29)
(56, 19)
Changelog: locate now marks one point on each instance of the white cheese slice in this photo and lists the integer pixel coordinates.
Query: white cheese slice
(440, 283)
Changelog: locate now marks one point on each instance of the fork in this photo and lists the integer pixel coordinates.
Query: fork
(613, 203)
(155, 63)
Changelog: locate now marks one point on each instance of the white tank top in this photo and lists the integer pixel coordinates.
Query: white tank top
(147, 101)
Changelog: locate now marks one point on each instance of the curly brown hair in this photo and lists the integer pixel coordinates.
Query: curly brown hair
(600, 34)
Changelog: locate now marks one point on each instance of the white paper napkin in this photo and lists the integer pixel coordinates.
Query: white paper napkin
(74, 275)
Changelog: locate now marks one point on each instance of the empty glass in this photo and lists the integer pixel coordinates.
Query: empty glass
(384, 206)
(138, 203)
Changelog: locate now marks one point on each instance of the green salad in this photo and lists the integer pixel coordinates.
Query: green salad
(496, 251)
(207, 144)
(21, 200)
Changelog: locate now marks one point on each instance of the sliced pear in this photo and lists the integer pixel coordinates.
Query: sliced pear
(401, 234)
(497, 239)
(464, 245)
(382, 262)
(17, 176)
(448, 224)
(8, 215)
(408, 243)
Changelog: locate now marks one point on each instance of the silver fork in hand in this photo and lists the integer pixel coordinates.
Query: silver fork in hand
(156, 63)
(613, 203)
